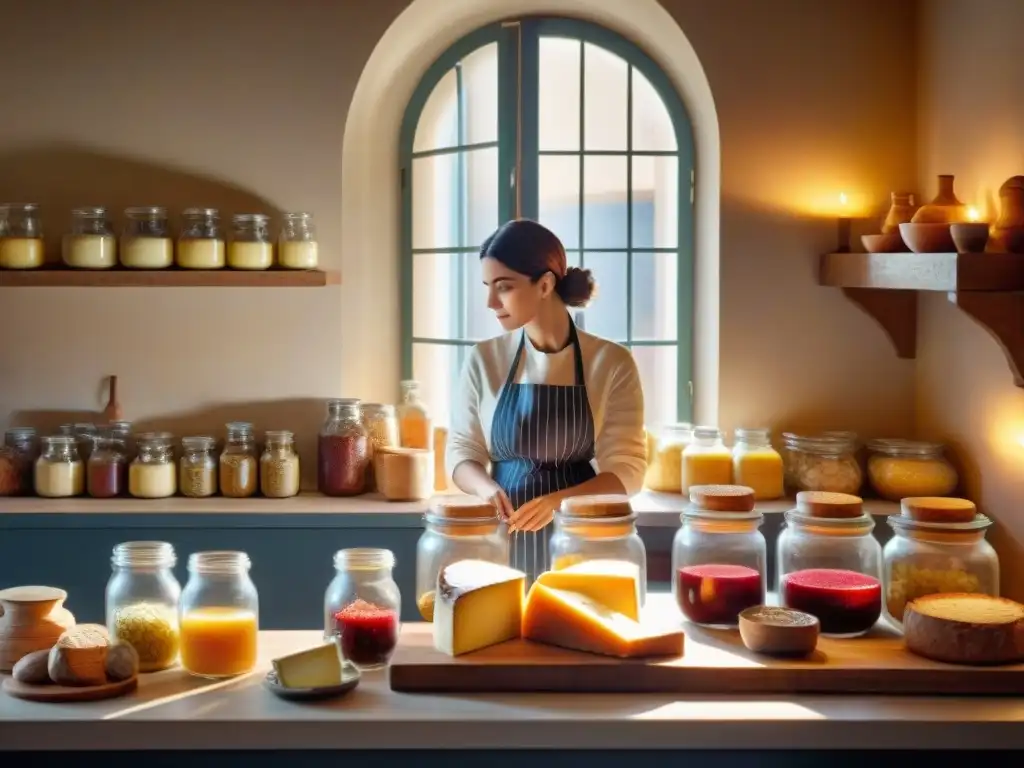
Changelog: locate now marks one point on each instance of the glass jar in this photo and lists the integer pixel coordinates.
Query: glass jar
(343, 450)
(457, 528)
(58, 471)
(146, 242)
(415, 428)
(91, 244)
(239, 466)
(142, 602)
(925, 558)
(17, 456)
(706, 460)
(219, 615)
(719, 561)
(279, 466)
(121, 432)
(830, 564)
(197, 469)
(599, 527)
(250, 247)
(756, 464)
(85, 439)
(826, 462)
(362, 605)
(297, 247)
(665, 463)
(898, 469)
(382, 430)
(21, 236)
(106, 469)
(200, 242)
(152, 474)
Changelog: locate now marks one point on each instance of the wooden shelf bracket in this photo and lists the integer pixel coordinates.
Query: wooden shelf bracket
(1002, 315)
(895, 311)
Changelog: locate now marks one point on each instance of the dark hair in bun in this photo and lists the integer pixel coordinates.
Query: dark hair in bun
(531, 249)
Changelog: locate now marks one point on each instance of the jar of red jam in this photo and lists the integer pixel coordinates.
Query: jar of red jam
(719, 556)
(362, 606)
(343, 450)
(106, 472)
(830, 563)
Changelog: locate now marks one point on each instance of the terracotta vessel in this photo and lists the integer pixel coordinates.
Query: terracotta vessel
(901, 211)
(32, 619)
(945, 208)
(1008, 232)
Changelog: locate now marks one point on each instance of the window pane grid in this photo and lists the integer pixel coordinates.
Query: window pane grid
(460, 147)
(607, 152)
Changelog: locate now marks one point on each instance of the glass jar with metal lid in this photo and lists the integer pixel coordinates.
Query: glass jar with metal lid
(91, 243)
(146, 242)
(107, 469)
(830, 563)
(59, 471)
(17, 455)
(239, 464)
(457, 528)
(665, 462)
(279, 466)
(381, 425)
(719, 556)
(939, 546)
(343, 450)
(142, 602)
(200, 241)
(21, 236)
(826, 462)
(121, 432)
(197, 468)
(362, 606)
(598, 527)
(297, 247)
(152, 474)
(250, 246)
(898, 469)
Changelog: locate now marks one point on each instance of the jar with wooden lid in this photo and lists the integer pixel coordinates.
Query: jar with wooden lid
(106, 470)
(457, 528)
(21, 236)
(152, 474)
(826, 462)
(898, 469)
(756, 464)
(830, 563)
(362, 606)
(197, 468)
(279, 466)
(250, 246)
(598, 527)
(665, 462)
(239, 466)
(17, 456)
(343, 450)
(59, 471)
(404, 474)
(415, 427)
(719, 556)
(939, 546)
(381, 426)
(200, 241)
(297, 246)
(91, 243)
(706, 460)
(146, 241)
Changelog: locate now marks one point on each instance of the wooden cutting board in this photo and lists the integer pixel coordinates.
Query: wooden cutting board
(61, 693)
(715, 661)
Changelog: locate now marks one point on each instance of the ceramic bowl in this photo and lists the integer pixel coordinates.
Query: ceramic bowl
(969, 238)
(927, 238)
(890, 242)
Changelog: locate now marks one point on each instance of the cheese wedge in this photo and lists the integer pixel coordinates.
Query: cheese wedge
(572, 620)
(477, 604)
(965, 629)
(613, 583)
(315, 668)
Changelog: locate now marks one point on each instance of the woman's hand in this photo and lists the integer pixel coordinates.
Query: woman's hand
(535, 515)
(501, 503)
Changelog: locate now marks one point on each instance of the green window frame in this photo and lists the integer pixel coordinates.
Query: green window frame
(518, 45)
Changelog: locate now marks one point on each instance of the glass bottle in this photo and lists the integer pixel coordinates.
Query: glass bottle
(152, 474)
(17, 455)
(146, 242)
(414, 423)
(665, 464)
(382, 431)
(219, 615)
(58, 470)
(826, 462)
(756, 464)
(200, 242)
(250, 246)
(362, 605)
(457, 528)
(343, 450)
(297, 247)
(91, 244)
(239, 466)
(21, 236)
(706, 460)
(197, 469)
(898, 469)
(279, 466)
(142, 602)
(106, 469)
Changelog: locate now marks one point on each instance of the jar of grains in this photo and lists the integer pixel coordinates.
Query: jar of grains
(250, 246)
(665, 457)
(58, 470)
(146, 242)
(16, 457)
(197, 470)
(826, 462)
(343, 450)
(106, 470)
(21, 236)
(382, 430)
(201, 242)
(152, 475)
(297, 248)
(900, 469)
(279, 466)
(91, 244)
(238, 464)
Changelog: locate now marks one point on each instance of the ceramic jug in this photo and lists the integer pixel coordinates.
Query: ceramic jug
(32, 619)
(901, 211)
(945, 208)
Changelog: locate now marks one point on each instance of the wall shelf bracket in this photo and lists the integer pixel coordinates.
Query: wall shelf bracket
(895, 311)
(1002, 315)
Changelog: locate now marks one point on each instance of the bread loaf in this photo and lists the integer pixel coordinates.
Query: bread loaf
(122, 662)
(965, 628)
(31, 668)
(80, 656)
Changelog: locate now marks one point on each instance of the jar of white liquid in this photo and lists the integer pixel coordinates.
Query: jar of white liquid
(146, 242)
(250, 247)
(152, 475)
(59, 472)
(201, 242)
(91, 244)
(21, 236)
(297, 248)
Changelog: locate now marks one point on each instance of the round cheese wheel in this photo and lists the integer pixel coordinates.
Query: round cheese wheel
(827, 504)
(965, 628)
(722, 498)
(938, 509)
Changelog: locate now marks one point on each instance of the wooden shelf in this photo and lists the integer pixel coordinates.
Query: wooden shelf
(166, 278)
(989, 287)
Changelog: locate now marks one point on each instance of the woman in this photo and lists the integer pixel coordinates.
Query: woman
(539, 405)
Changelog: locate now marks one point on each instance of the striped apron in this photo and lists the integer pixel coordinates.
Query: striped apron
(542, 441)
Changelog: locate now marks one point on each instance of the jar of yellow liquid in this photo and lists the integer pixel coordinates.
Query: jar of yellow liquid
(665, 459)
(757, 465)
(706, 460)
(21, 236)
(415, 429)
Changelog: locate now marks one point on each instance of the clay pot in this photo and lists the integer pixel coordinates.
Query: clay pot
(32, 620)
(1008, 232)
(901, 211)
(944, 209)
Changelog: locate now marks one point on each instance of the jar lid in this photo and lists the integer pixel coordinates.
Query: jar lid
(722, 498)
(597, 506)
(89, 212)
(938, 509)
(826, 443)
(460, 509)
(900, 523)
(377, 409)
(146, 210)
(198, 441)
(255, 218)
(830, 505)
(154, 437)
(364, 558)
(898, 447)
(210, 212)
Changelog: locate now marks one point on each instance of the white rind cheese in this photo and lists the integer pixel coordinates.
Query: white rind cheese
(477, 604)
(318, 667)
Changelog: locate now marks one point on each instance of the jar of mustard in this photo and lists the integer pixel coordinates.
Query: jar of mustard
(297, 247)
(91, 244)
(201, 241)
(146, 242)
(706, 460)
(21, 236)
(901, 468)
(250, 246)
(756, 464)
(665, 462)
(826, 462)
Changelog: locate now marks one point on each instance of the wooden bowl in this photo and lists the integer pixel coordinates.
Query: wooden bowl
(928, 238)
(889, 242)
(969, 238)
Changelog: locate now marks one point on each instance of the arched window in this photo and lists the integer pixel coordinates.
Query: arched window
(568, 123)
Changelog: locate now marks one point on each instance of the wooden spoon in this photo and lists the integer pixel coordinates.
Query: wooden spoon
(113, 410)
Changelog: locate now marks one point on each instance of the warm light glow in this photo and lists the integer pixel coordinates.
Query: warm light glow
(843, 200)
(972, 214)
